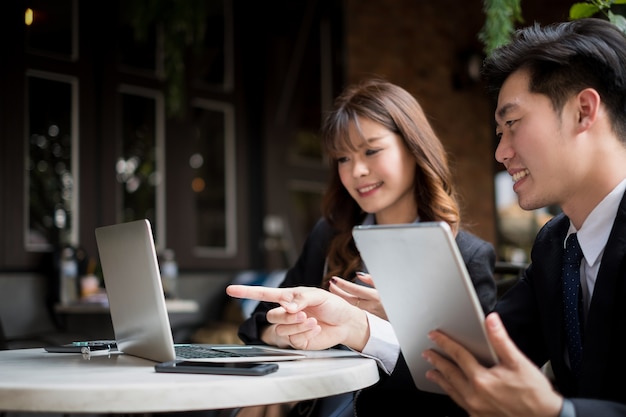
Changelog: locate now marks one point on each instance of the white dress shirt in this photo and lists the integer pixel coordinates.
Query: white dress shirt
(592, 237)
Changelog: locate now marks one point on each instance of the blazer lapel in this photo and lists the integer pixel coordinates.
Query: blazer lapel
(606, 308)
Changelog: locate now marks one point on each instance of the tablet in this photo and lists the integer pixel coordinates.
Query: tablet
(424, 285)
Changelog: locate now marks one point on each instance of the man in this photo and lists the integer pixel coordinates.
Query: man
(561, 121)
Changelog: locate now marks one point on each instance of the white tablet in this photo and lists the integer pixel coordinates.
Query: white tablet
(424, 285)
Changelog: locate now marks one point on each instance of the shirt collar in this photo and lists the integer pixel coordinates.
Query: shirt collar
(596, 228)
(371, 219)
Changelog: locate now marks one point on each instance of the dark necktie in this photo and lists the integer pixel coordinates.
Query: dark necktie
(571, 290)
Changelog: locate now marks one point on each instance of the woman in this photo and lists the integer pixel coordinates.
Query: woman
(389, 167)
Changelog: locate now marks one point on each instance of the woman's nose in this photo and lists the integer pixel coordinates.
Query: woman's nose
(359, 169)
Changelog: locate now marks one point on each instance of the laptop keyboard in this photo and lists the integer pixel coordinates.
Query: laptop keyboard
(197, 351)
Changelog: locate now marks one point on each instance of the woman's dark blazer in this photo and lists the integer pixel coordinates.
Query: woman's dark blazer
(479, 257)
(532, 312)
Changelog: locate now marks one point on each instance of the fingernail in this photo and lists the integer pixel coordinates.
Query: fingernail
(333, 280)
(360, 273)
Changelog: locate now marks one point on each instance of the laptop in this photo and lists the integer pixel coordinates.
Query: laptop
(424, 285)
(138, 311)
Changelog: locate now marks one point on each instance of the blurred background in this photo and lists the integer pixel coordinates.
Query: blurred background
(203, 116)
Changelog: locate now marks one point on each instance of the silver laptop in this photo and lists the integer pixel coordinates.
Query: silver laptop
(424, 285)
(138, 311)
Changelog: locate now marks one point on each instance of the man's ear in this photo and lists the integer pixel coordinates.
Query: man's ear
(588, 102)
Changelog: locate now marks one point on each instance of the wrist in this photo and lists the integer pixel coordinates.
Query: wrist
(359, 330)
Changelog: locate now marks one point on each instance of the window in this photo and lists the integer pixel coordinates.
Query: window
(52, 161)
(140, 167)
(213, 164)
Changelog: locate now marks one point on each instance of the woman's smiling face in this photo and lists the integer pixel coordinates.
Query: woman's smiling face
(379, 174)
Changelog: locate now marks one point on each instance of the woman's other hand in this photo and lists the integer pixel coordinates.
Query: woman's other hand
(362, 296)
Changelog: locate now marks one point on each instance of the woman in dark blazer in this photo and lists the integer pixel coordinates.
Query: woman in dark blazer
(388, 167)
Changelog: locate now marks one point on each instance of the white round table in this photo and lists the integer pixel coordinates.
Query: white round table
(34, 380)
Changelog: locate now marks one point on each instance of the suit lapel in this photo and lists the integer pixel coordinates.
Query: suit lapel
(605, 310)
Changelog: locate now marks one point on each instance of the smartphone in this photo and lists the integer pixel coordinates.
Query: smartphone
(83, 347)
(219, 368)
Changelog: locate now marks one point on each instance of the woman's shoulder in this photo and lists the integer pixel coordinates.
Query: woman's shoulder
(467, 237)
(319, 236)
(469, 243)
(322, 228)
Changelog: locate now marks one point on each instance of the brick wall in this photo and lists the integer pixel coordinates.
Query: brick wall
(422, 46)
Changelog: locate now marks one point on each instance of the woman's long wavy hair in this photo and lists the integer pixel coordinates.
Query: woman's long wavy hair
(393, 107)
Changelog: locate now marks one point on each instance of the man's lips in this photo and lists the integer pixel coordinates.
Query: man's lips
(519, 175)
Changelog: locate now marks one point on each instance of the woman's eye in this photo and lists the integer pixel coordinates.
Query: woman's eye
(371, 151)
(342, 159)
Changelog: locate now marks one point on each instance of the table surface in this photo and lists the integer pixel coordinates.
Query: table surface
(33, 380)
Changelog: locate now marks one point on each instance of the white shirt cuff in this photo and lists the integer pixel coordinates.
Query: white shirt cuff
(568, 409)
(383, 344)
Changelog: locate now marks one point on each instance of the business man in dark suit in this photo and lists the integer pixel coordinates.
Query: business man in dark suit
(561, 122)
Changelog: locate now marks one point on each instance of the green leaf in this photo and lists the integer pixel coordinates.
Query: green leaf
(618, 20)
(501, 16)
(619, 1)
(582, 10)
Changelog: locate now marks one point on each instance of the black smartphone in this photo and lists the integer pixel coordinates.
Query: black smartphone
(219, 368)
(83, 347)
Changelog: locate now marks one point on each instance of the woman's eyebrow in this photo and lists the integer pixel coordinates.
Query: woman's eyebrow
(369, 141)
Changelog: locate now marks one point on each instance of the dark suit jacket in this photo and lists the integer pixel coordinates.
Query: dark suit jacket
(397, 391)
(532, 311)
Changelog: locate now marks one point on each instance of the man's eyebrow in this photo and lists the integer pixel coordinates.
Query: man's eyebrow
(502, 111)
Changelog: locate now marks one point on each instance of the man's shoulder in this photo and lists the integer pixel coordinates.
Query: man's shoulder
(557, 225)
